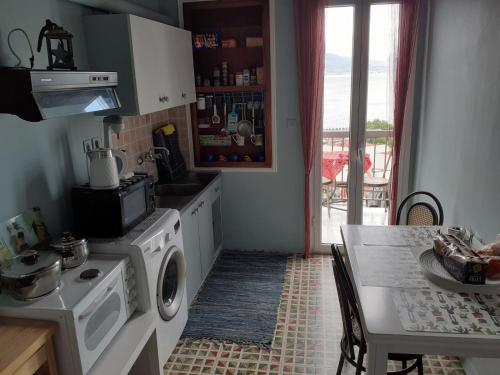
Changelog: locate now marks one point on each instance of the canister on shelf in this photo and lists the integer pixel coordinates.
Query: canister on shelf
(200, 102)
(239, 79)
(246, 77)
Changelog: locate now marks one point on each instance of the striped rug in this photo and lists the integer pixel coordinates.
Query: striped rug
(239, 300)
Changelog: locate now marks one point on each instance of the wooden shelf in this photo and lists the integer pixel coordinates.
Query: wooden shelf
(236, 19)
(222, 89)
(202, 51)
(232, 164)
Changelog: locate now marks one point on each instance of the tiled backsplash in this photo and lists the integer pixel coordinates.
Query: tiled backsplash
(137, 139)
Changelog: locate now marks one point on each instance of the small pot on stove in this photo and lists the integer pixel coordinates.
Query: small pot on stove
(31, 274)
(74, 252)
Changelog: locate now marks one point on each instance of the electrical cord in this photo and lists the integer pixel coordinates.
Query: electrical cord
(32, 58)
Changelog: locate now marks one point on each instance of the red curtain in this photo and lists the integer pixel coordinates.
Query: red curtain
(310, 44)
(408, 28)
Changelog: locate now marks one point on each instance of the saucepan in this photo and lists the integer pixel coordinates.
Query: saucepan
(74, 252)
(31, 274)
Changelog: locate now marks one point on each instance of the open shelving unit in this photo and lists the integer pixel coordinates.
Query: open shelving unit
(231, 19)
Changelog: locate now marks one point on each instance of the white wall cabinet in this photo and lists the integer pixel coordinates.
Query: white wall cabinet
(199, 233)
(154, 61)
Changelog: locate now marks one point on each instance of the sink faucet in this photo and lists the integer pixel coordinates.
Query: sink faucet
(151, 156)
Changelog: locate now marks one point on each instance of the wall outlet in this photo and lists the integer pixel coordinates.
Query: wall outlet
(96, 143)
(87, 145)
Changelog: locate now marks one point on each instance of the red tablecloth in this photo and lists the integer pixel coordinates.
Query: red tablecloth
(334, 162)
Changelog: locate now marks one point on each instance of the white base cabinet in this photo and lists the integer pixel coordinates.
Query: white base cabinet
(154, 61)
(202, 235)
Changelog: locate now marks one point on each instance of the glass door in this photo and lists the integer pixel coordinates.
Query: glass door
(356, 146)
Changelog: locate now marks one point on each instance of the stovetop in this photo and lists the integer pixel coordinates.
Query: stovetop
(124, 182)
(73, 288)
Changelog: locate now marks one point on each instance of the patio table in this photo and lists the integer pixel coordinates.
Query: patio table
(334, 162)
(380, 319)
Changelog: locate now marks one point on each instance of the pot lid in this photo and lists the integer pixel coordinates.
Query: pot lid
(67, 242)
(29, 263)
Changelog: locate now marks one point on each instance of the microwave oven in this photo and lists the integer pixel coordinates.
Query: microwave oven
(113, 212)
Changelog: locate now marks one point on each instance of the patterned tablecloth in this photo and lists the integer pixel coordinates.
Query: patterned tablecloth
(449, 312)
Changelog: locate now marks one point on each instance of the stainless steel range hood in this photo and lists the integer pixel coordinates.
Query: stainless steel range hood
(36, 95)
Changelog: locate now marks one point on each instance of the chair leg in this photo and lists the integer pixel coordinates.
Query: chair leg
(404, 364)
(328, 200)
(420, 366)
(341, 364)
(359, 364)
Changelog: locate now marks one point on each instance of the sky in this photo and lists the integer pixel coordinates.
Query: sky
(339, 30)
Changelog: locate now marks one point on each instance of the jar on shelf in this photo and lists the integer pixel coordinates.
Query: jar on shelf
(239, 79)
(246, 77)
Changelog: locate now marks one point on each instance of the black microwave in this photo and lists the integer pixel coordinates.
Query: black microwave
(112, 213)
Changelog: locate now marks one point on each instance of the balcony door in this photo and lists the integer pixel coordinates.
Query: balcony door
(353, 169)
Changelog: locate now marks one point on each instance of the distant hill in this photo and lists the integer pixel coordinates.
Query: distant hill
(336, 64)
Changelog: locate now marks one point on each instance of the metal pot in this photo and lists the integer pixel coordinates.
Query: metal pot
(74, 252)
(31, 274)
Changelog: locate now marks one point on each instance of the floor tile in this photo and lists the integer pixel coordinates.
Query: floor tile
(306, 339)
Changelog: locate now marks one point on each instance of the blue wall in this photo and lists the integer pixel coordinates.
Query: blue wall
(39, 162)
(263, 210)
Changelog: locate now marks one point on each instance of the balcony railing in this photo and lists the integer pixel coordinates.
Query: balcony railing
(378, 147)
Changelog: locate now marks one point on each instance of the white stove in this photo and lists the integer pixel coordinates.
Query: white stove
(93, 302)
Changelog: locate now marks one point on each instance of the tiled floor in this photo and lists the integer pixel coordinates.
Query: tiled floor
(330, 225)
(306, 338)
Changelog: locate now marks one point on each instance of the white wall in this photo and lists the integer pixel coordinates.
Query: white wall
(458, 153)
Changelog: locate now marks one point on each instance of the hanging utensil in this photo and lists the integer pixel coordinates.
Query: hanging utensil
(244, 127)
(215, 117)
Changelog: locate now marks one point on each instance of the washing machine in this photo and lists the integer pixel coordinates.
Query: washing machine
(167, 281)
(156, 244)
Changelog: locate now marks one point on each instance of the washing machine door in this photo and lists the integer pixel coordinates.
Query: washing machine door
(171, 283)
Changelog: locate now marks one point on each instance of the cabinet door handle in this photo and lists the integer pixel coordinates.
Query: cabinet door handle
(184, 95)
(165, 98)
(160, 99)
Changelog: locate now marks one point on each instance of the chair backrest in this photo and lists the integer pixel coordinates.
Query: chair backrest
(347, 300)
(421, 213)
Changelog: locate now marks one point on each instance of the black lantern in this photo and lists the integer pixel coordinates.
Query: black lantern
(61, 55)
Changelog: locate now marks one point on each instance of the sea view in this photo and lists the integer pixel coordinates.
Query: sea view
(337, 99)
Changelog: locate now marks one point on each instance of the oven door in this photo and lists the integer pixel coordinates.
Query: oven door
(98, 318)
(171, 283)
(134, 205)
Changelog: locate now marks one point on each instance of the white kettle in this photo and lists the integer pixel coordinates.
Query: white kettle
(104, 172)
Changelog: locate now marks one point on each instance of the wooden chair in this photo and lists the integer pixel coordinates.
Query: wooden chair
(421, 213)
(373, 184)
(326, 189)
(352, 330)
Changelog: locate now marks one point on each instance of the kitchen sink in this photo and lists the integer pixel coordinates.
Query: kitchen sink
(191, 184)
(178, 189)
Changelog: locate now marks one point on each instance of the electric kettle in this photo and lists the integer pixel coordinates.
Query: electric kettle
(104, 171)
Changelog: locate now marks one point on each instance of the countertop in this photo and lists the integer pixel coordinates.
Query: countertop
(181, 202)
(20, 339)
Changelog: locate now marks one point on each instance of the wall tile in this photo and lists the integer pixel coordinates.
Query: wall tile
(137, 138)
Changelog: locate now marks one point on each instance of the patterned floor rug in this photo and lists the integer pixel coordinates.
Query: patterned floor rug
(239, 300)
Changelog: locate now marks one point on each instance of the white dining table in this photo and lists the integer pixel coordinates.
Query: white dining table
(380, 321)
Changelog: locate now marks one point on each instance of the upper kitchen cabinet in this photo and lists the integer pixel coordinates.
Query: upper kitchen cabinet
(154, 61)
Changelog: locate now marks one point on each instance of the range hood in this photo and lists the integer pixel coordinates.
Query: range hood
(36, 95)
